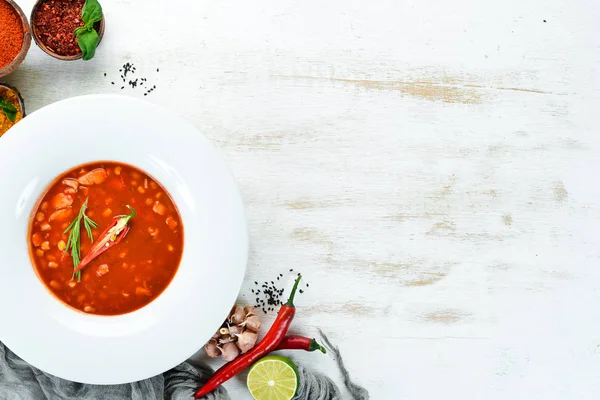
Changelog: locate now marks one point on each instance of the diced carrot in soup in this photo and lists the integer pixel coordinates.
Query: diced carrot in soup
(159, 208)
(102, 270)
(37, 239)
(142, 291)
(110, 284)
(171, 222)
(153, 232)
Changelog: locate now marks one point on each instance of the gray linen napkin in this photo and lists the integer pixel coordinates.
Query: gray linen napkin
(21, 381)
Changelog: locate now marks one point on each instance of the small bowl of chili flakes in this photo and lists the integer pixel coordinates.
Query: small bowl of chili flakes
(53, 23)
(15, 36)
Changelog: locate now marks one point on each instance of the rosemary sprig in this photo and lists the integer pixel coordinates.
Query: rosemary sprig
(74, 241)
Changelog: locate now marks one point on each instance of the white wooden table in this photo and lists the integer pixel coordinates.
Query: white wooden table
(429, 166)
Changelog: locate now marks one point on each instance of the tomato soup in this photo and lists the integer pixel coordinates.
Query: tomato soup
(136, 245)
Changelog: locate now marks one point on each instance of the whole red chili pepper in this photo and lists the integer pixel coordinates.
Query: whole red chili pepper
(292, 342)
(112, 235)
(269, 343)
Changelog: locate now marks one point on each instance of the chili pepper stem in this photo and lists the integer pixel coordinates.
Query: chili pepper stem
(290, 302)
(314, 345)
(130, 215)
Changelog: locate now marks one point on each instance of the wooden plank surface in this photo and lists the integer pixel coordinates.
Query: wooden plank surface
(430, 166)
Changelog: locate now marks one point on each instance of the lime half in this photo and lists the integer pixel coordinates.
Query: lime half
(273, 378)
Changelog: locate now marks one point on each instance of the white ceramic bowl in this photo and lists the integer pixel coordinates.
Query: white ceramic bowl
(111, 350)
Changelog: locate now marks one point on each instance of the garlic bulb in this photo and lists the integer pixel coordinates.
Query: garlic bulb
(230, 352)
(246, 341)
(237, 335)
(212, 350)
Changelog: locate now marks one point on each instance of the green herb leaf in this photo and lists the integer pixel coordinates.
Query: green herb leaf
(89, 224)
(88, 41)
(8, 109)
(74, 241)
(91, 12)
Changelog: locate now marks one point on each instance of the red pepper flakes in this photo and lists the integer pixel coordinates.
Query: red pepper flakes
(55, 21)
(12, 34)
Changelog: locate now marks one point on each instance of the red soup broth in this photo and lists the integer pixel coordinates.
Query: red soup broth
(128, 275)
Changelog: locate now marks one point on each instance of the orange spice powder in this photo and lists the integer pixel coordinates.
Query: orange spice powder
(11, 34)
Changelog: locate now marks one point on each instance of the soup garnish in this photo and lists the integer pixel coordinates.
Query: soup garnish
(111, 236)
(77, 224)
(74, 242)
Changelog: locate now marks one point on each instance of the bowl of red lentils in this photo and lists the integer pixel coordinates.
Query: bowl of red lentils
(15, 36)
(53, 23)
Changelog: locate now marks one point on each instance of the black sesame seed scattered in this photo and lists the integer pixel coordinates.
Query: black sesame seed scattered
(130, 69)
(122, 87)
(271, 296)
(307, 285)
(105, 74)
(291, 270)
